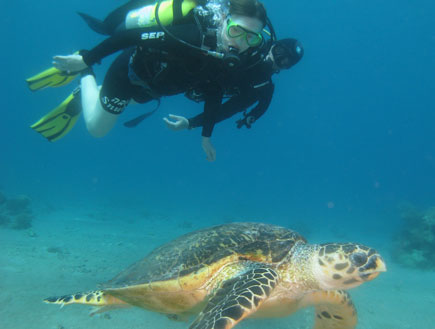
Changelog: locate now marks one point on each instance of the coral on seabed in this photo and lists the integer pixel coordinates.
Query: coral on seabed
(414, 245)
(17, 205)
(15, 212)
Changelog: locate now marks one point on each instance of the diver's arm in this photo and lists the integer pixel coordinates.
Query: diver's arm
(196, 121)
(212, 106)
(264, 99)
(265, 95)
(240, 103)
(119, 41)
(228, 109)
(146, 37)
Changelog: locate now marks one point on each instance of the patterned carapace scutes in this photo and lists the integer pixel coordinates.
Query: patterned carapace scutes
(193, 251)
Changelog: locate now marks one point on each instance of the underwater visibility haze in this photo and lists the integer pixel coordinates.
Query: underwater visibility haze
(345, 153)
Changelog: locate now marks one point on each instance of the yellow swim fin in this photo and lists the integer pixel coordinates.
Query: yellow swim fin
(59, 122)
(51, 77)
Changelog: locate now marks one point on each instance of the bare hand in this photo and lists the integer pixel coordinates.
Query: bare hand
(70, 64)
(178, 123)
(208, 149)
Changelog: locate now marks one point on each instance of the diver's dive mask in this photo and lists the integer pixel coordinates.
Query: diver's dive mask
(235, 30)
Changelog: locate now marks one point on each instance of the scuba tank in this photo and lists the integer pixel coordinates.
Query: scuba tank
(168, 13)
(140, 14)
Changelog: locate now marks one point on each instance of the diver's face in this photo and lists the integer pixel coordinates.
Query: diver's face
(243, 33)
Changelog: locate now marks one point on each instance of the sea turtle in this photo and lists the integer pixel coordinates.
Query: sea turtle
(226, 273)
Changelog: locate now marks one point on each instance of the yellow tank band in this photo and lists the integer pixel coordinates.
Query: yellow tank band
(145, 16)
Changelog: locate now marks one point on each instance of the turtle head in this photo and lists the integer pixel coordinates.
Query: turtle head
(346, 265)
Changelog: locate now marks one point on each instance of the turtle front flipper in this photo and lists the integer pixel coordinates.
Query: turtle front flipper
(236, 299)
(94, 298)
(333, 309)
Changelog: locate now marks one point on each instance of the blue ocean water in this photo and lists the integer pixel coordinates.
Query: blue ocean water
(349, 136)
(350, 126)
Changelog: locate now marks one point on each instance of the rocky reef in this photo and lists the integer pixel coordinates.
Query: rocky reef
(414, 245)
(15, 212)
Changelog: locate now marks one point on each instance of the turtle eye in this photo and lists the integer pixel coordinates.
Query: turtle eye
(358, 259)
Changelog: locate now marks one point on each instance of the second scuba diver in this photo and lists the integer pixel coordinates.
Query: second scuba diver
(211, 41)
(251, 86)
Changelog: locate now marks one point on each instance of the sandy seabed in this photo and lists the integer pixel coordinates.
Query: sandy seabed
(65, 254)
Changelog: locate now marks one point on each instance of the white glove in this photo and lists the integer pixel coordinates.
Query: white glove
(70, 64)
(180, 122)
(208, 149)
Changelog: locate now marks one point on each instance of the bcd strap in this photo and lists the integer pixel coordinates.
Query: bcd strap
(177, 11)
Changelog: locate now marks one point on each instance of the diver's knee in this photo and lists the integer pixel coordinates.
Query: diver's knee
(97, 129)
(101, 123)
(98, 120)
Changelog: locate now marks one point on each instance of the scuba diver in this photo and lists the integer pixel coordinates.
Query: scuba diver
(254, 86)
(208, 42)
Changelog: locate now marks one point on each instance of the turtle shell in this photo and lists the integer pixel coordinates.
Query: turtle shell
(194, 251)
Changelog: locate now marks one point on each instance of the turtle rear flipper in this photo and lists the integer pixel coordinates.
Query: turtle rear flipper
(94, 298)
(236, 299)
(333, 309)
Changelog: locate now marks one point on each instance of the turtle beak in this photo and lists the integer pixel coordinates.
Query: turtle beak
(380, 264)
(369, 277)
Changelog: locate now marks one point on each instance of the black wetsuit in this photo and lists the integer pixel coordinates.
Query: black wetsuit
(250, 86)
(154, 65)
